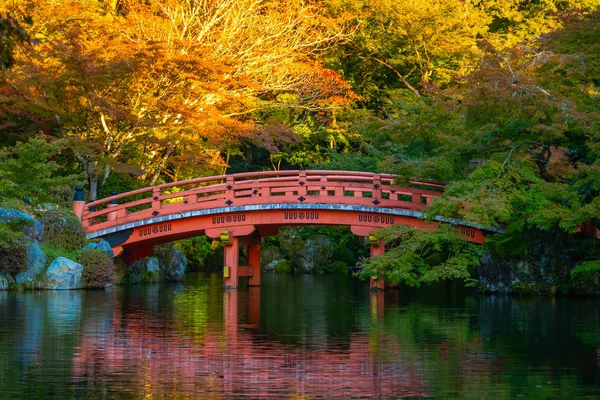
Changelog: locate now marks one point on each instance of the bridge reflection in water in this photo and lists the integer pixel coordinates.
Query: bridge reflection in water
(232, 356)
(295, 337)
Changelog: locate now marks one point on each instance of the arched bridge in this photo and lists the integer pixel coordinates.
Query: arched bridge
(241, 208)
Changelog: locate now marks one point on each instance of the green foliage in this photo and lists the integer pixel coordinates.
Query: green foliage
(63, 229)
(53, 251)
(195, 249)
(30, 170)
(98, 270)
(588, 270)
(13, 251)
(334, 267)
(423, 256)
(513, 195)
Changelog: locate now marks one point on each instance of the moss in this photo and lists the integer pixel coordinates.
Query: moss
(98, 270)
(283, 267)
(63, 229)
(149, 276)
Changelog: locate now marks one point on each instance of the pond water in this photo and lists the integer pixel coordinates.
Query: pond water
(301, 337)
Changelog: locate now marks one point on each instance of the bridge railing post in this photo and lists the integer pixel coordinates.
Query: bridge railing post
(78, 202)
(302, 189)
(229, 190)
(323, 192)
(377, 187)
(111, 216)
(156, 203)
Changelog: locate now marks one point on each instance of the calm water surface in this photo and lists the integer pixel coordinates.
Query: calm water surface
(302, 337)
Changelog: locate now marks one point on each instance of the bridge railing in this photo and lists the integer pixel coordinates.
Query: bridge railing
(272, 187)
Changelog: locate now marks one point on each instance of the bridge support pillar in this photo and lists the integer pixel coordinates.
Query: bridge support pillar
(254, 263)
(377, 249)
(232, 260)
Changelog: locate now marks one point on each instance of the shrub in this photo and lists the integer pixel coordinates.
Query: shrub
(98, 270)
(63, 229)
(13, 251)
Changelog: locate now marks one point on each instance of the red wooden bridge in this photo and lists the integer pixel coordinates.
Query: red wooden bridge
(241, 208)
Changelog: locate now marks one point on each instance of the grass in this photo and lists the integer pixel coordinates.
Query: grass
(52, 252)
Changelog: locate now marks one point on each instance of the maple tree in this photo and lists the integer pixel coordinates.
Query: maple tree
(169, 87)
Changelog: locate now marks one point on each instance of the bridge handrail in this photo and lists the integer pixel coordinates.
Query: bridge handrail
(327, 173)
(334, 179)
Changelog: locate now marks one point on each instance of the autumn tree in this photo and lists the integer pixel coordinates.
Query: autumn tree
(170, 87)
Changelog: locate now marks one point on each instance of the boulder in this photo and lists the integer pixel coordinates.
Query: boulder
(145, 270)
(64, 274)
(315, 253)
(33, 232)
(36, 264)
(269, 254)
(272, 262)
(153, 266)
(290, 241)
(173, 269)
(544, 268)
(103, 246)
(4, 279)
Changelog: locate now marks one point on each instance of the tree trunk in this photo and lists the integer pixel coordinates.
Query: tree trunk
(93, 183)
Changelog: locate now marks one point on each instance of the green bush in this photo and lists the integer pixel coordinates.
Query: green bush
(98, 270)
(63, 229)
(196, 250)
(13, 251)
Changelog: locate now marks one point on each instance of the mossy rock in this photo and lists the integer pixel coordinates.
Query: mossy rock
(283, 267)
